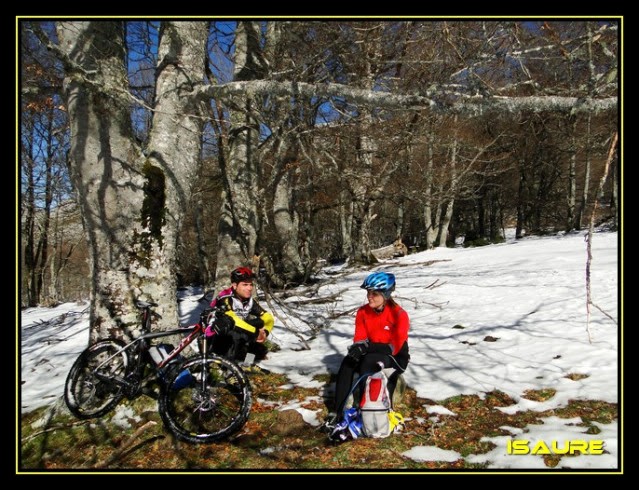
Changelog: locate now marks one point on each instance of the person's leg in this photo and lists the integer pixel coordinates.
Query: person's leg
(221, 344)
(240, 346)
(343, 384)
(402, 359)
(369, 365)
(259, 349)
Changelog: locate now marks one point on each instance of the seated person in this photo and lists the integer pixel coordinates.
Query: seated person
(241, 324)
(381, 339)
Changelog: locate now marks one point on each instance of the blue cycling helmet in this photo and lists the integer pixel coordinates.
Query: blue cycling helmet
(384, 282)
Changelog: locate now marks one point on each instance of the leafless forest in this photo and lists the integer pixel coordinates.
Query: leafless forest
(156, 154)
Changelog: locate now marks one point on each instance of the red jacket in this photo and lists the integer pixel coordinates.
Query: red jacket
(390, 326)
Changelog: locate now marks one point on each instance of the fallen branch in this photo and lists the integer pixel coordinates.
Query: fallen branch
(345, 313)
(434, 284)
(425, 263)
(605, 313)
(267, 297)
(53, 429)
(319, 300)
(122, 449)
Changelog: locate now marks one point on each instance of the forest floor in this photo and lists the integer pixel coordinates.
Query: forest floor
(276, 440)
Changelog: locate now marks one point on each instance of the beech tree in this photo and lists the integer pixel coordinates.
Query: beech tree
(132, 203)
(264, 109)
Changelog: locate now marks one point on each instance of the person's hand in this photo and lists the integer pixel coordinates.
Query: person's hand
(357, 350)
(261, 336)
(222, 324)
(204, 316)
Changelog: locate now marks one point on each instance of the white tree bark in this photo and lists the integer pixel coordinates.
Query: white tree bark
(572, 178)
(130, 205)
(360, 184)
(471, 105)
(448, 214)
(286, 223)
(104, 167)
(174, 156)
(239, 221)
(584, 195)
(431, 216)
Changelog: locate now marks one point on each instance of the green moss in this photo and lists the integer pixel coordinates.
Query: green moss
(153, 207)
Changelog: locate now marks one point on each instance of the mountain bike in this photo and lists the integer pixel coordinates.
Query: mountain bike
(203, 398)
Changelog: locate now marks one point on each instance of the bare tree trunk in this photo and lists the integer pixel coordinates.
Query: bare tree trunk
(591, 231)
(57, 262)
(572, 178)
(174, 159)
(494, 216)
(200, 232)
(43, 243)
(366, 186)
(52, 296)
(239, 220)
(286, 217)
(431, 216)
(448, 214)
(363, 201)
(399, 224)
(346, 223)
(38, 214)
(521, 191)
(286, 223)
(615, 196)
(481, 215)
(131, 206)
(30, 231)
(584, 194)
(103, 169)
(592, 75)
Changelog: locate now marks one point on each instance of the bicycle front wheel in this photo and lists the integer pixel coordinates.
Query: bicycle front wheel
(88, 392)
(205, 400)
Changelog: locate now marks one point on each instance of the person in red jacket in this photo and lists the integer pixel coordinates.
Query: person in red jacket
(381, 336)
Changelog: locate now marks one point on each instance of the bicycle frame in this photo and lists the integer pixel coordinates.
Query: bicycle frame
(194, 331)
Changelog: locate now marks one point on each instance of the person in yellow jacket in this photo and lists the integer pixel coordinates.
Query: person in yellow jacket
(239, 325)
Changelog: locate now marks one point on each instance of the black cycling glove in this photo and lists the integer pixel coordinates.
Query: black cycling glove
(358, 350)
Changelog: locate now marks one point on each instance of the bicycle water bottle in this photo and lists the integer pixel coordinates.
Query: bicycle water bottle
(159, 352)
(184, 379)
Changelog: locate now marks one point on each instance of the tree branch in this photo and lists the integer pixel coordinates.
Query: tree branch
(452, 103)
(126, 445)
(449, 103)
(591, 231)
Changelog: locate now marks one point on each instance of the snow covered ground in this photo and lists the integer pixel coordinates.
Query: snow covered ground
(509, 317)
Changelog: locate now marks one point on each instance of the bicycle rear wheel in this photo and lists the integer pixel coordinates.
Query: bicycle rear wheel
(87, 395)
(211, 405)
